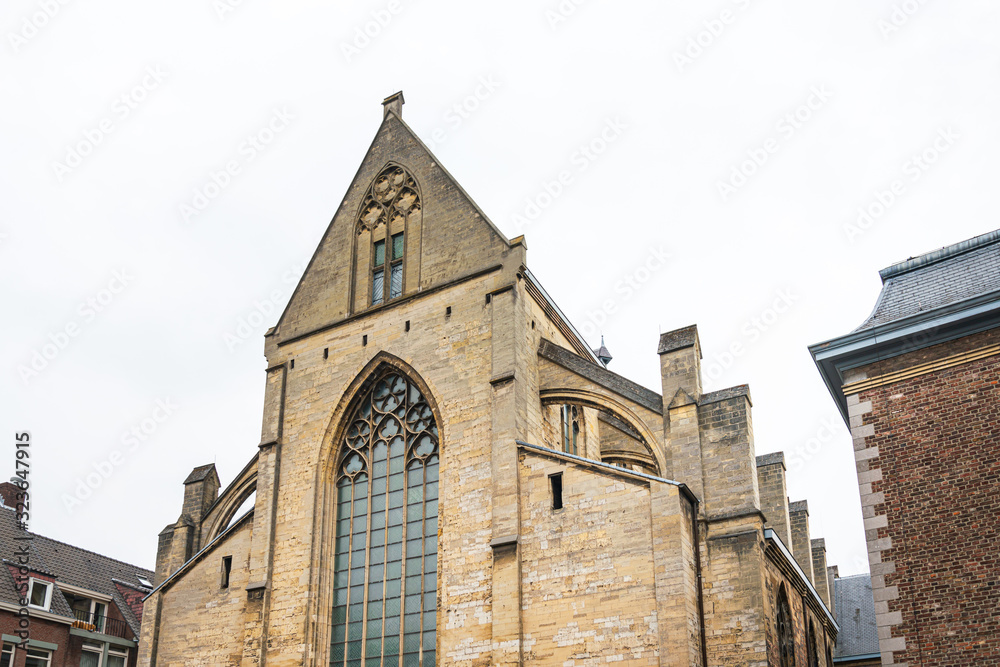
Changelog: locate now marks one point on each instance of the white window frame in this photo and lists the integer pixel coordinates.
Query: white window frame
(48, 593)
(7, 649)
(118, 653)
(48, 655)
(99, 627)
(95, 648)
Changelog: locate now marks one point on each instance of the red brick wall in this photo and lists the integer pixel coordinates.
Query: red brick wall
(133, 598)
(938, 439)
(46, 631)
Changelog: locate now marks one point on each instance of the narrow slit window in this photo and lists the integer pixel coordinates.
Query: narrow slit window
(555, 482)
(227, 568)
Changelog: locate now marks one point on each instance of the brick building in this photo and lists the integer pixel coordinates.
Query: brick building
(917, 383)
(83, 609)
(448, 474)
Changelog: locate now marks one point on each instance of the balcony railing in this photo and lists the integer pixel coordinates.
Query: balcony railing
(103, 624)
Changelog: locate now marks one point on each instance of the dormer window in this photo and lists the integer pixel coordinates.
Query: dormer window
(40, 594)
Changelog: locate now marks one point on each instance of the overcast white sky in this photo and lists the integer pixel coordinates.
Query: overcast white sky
(116, 114)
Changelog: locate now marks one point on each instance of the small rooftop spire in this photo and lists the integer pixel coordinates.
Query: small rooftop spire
(602, 353)
(393, 103)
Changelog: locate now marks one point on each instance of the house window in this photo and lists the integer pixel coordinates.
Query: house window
(569, 417)
(385, 560)
(7, 655)
(90, 656)
(786, 633)
(40, 594)
(117, 657)
(38, 658)
(89, 611)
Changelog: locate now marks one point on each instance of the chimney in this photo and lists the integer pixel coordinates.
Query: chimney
(393, 103)
(774, 494)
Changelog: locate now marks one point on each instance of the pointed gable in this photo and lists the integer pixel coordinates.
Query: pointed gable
(447, 235)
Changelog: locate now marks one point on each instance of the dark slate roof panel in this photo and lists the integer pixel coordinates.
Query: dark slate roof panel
(936, 279)
(201, 472)
(856, 616)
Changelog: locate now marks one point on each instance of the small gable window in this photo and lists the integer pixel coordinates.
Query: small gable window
(40, 594)
(388, 210)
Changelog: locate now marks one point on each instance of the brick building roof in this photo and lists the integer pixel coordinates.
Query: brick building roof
(939, 278)
(74, 566)
(856, 615)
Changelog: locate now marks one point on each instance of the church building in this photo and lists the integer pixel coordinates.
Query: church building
(449, 475)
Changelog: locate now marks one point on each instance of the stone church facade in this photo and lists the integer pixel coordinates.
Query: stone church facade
(448, 474)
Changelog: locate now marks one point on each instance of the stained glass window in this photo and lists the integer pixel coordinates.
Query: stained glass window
(385, 557)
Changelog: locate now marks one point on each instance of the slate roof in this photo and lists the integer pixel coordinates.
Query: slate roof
(856, 616)
(939, 278)
(70, 565)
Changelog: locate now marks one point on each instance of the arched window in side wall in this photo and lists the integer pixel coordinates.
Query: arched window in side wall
(811, 644)
(786, 631)
(385, 557)
(570, 417)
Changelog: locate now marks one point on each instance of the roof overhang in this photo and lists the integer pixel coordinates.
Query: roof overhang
(833, 358)
(790, 561)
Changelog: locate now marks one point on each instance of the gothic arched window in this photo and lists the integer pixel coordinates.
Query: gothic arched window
(813, 652)
(390, 203)
(786, 632)
(569, 420)
(385, 570)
